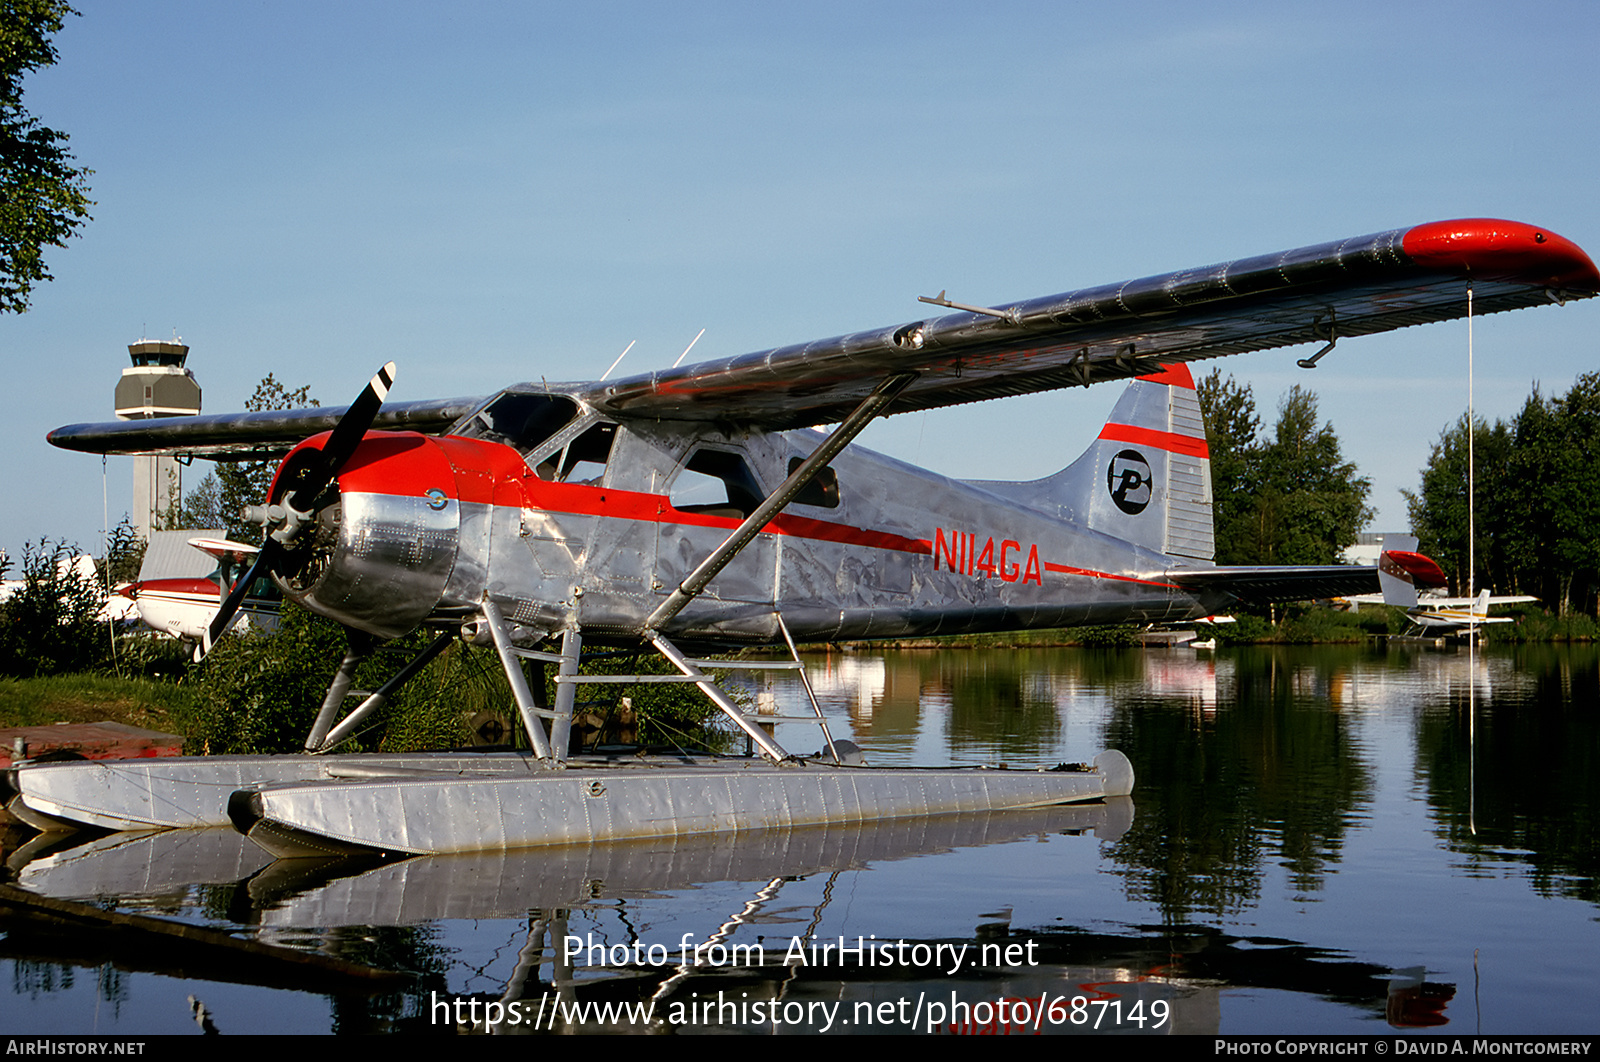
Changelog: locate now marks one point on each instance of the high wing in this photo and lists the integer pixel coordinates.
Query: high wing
(1315, 294)
(1321, 294)
(249, 436)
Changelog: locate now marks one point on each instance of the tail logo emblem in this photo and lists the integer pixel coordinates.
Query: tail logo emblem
(1128, 479)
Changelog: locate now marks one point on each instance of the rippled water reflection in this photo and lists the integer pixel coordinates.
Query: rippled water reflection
(1321, 840)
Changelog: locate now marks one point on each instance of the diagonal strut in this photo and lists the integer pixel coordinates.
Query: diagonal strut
(746, 532)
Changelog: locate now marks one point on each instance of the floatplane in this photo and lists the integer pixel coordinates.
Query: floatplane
(691, 507)
(1433, 617)
(1461, 615)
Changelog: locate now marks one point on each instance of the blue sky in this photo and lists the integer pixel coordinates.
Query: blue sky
(493, 192)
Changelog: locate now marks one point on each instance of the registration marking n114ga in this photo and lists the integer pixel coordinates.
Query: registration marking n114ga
(960, 553)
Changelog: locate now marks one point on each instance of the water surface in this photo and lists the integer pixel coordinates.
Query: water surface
(1332, 839)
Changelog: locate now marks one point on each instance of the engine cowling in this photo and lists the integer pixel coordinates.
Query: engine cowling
(379, 556)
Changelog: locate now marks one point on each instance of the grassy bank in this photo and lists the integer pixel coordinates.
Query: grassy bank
(142, 702)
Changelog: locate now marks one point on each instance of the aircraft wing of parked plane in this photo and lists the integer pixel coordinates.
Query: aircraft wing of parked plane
(1321, 294)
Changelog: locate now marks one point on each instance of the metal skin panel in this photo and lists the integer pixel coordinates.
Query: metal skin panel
(391, 565)
(432, 817)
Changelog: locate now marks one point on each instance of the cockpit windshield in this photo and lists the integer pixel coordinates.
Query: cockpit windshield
(519, 419)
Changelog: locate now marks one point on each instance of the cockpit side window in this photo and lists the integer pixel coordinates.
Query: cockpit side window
(584, 458)
(822, 491)
(520, 419)
(717, 483)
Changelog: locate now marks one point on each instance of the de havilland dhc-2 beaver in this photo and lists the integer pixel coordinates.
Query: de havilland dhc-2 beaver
(689, 508)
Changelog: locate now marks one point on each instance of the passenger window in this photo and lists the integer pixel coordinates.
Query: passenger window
(716, 483)
(822, 491)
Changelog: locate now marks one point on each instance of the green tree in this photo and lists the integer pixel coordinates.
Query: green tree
(1229, 410)
(1440, 517)
(1553, 465)
(42, 195)
(1288, 499)
(1537, 500)
(1312, 502)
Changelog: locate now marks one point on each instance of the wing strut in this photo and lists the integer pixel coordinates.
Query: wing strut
(325, 740)
(746, 532)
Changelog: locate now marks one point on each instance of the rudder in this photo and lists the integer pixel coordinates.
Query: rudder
(1147, 478)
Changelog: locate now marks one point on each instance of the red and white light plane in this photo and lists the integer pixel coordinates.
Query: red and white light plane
(184, 606)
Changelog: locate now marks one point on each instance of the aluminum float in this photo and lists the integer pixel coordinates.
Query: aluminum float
(435, 816)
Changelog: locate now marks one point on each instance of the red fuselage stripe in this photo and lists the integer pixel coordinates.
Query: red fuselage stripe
(1067, 569)
(405, 464)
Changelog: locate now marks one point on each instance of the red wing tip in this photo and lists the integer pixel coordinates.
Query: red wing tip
(1496, 249)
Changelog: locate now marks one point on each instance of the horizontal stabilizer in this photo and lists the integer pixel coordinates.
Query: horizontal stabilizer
(1396, 571)
(1271, 585)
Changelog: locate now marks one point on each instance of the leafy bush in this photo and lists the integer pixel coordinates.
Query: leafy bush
(1536, 624)
(260, 693)
(1115, 635)
(51, 625)
(1247, 629)
(1307, 626)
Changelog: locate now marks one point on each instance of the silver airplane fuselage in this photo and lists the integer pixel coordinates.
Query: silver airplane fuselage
(594, 523)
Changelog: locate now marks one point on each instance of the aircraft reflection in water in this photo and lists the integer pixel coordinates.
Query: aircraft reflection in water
(927, 702)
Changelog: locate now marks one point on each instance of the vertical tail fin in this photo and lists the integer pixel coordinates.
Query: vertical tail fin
(1147, 478)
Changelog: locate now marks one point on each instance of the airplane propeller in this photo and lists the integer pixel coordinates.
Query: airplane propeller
(304, 498)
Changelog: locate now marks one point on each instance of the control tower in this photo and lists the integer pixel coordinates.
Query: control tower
(156, 385)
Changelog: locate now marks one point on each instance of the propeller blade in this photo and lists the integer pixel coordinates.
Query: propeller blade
(347, 434)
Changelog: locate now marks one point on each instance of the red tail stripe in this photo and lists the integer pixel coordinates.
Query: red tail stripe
(1172, 442)
(1174, 375)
